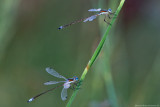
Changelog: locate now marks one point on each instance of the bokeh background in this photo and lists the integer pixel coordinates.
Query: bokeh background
(126, 73)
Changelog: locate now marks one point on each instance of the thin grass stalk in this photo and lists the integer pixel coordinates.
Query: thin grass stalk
(8, 14)
(109, 84)
(95, 54)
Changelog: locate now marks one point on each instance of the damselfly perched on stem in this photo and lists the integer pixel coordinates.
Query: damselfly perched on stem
(91, 18)
(66, 84)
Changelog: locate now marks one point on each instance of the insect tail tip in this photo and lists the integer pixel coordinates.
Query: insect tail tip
(60, 27)
(31, 99)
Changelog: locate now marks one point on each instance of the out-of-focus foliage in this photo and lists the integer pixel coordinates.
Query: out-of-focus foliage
(30, 42)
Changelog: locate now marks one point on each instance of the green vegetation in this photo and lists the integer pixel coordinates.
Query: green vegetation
(123, 71)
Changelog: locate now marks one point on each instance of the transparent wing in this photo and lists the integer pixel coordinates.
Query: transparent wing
(53, 82)
(90, 18)
(54, 73)
(64, 94)
(94, 10)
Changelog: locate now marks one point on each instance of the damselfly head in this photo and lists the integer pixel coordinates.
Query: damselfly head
(110, 10)
(75, 78)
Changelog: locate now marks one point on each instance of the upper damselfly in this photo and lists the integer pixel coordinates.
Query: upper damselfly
(91, 18)
(66, 84)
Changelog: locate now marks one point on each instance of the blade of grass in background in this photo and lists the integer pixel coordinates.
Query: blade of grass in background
(103, 64)
(96, 53)
(7, 18)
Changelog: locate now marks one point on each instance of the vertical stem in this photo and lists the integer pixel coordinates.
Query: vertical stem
(110, 84)
(95, 54)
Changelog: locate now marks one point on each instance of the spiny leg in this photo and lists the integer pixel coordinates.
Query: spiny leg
(109, 16)
(113, 15)
(75, 86)
(106, 21)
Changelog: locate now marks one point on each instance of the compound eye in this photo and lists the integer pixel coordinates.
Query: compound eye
(109, 10)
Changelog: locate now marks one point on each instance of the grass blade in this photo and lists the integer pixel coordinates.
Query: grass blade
(96, 53)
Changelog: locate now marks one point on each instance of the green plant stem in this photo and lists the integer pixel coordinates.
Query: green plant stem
(107, 75)
(96, 53)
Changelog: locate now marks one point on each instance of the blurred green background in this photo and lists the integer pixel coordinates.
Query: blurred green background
(30, 42)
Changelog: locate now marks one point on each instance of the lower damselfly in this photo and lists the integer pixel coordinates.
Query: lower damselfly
(66, 84)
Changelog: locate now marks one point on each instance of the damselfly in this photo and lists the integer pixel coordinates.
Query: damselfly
(66, 84)
(91, 18)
